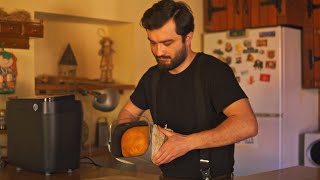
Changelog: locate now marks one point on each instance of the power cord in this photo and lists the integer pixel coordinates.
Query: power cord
(91, 161)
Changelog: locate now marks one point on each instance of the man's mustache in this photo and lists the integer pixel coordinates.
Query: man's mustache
(165, 57)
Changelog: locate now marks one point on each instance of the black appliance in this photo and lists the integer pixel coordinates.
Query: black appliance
(44, 134)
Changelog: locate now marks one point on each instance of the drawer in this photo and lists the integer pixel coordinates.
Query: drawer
(9, 42)
(11, 28)
(33, 30)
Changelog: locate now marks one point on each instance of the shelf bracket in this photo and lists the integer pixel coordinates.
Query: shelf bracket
(311, 7)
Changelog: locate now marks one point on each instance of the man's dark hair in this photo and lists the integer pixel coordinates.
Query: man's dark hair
(156, 16)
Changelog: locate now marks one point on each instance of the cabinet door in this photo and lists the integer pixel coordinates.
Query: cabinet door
(216, 15)
(264, 13)
(223, 15)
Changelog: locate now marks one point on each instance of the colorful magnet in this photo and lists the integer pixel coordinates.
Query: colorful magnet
(247, 43)
(219, 41)
(271, 64)
(265, 77)
(250, 50)
(261, 51)
(218, 52)
(238, 78)
(271, 54)
(228, 47)
(267, 34)
(239, 48)
(250, 58)
(251, 80)
(258, 64)
(245, 72)
(238, 60)
(228, 60)
(261, 42)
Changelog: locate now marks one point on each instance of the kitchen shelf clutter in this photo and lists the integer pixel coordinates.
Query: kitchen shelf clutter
(52, 85)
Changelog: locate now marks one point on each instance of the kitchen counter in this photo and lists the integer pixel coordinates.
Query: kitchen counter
(90, 172)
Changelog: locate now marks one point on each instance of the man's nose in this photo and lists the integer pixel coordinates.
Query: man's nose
(159, 50)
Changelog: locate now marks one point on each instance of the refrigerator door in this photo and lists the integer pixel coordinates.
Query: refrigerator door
(255, 59)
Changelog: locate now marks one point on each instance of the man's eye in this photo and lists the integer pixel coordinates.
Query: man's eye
(167, 43)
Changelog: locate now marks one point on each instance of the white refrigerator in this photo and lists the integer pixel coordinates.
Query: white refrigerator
(267, 64)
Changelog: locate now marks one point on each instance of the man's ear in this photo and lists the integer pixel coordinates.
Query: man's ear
(189, 37)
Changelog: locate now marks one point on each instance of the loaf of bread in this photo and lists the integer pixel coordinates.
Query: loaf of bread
(135, 141)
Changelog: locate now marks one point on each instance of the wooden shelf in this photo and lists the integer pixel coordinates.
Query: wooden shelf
(67, 85)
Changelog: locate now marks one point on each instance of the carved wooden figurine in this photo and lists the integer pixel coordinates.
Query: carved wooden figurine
(106, 64)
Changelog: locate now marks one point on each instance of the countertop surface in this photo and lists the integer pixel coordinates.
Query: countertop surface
(114, 170)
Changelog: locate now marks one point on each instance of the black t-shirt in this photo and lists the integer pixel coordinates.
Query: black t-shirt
(176, 107)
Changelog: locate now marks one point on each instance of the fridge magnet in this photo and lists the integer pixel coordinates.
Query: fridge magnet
(245, 72)
(250, 50)
(238, 79)
(271, 64)
(261, 42)
(267, 34)
(239, 48)
(247, 43)
(228, 47)
(219, 41)
(250, 58)
(218, 52)
(8, 72)
(251, 80)
(265, 77)
(261, 51)
(238, 60)
(228, 60)
(258, 64)
(271, 54)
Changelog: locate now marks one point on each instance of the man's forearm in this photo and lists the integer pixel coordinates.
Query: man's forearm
(230, 131)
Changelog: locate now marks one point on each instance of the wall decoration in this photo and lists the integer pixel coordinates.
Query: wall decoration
(68, 64)
(8, 72)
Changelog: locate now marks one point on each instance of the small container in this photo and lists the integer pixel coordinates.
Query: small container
(3, 125)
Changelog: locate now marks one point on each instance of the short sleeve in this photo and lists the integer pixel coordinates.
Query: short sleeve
(224, 87)
(139, 96)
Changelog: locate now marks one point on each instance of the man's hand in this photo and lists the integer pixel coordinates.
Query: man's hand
(175, 146)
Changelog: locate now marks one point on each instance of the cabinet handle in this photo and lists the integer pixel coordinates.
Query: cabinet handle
(212, 9)
(276, 3)
(311, 7)
(312, 59)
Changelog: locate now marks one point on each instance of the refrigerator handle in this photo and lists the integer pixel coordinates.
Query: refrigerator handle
(312, 59)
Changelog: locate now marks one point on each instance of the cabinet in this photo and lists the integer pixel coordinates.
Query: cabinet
(223, 15)
(311, 51)
(238, 14)
(14, 34)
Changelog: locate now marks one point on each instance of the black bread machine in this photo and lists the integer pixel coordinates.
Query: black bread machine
(44, 134)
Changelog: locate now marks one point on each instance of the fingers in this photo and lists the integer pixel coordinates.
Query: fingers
(165, 132)
(163, 156)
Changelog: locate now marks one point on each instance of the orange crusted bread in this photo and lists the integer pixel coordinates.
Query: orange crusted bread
(135, 141)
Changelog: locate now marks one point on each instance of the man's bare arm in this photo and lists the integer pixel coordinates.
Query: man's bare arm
(129, 112)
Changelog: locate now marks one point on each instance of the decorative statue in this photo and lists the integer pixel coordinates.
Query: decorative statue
(106, 64)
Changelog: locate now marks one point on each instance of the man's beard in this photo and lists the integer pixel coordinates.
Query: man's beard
(179, 58)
